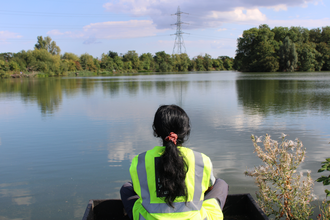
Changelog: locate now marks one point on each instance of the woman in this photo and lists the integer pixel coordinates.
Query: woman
(172, 181)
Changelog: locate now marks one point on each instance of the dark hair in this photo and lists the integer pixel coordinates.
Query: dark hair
(172, 168)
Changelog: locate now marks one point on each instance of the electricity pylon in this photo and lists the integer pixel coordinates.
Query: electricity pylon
(179, 43)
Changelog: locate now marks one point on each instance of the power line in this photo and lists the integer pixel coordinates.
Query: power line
(179, 43)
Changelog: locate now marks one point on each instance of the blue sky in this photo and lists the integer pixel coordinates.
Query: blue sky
(97, 26)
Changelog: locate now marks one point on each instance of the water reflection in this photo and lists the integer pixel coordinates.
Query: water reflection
(111, 86)
(119, 152)
(20, 196)
(49, 93)
(278, 96)
(99, 124)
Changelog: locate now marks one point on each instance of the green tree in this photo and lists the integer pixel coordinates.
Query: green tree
(4, 66)
(315, 35)
(69, 62)
(128, 65)
(198, 63)
(119, 63)
(107, 62)
(70, 56)
(288, 56)
(256, 50)
(14, 66)
(163, 62)
(112, 54)
(299, 34)
(47, 44)
(324, 50)
(6, 56)
(146, 61)
(87, 62)
(43, 61)
(181, 62)
(207, 61)
(280, 33)
(325, 36)
(228, 62)
(217, 64)
(308, 56)
(133, 57)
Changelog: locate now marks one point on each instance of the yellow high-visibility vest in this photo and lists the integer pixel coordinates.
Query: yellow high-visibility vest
(149, 206)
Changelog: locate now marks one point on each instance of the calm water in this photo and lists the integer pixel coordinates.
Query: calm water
(64, 141)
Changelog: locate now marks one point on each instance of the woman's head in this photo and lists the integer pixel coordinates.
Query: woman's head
(171, 118)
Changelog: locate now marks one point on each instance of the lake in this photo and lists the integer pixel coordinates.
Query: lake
(66, 140)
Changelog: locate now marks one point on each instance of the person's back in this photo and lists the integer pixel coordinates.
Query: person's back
(170, 181)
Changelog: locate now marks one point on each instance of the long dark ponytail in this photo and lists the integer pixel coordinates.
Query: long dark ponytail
(172, 168)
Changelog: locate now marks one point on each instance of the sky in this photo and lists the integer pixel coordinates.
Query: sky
(148, 26)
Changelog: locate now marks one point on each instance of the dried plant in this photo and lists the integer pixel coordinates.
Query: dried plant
(325, 211)
(283, 193)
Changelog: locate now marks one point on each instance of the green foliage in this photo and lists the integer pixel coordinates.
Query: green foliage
(256, 50)
(280, 33)
(228, 62)
(207, 61)
(284, 49)
(48, 45)
(282, 192)
(198, 63)
(112, 54)
(4, 65)
(288, 56)
(218, 64)
(13, 66)
(107, 63)
(45, 59)
(70, 56)
(181, 62)
(119, 63)
(163, 62)
(325, 209)
(325, 35)
(87, 62)
(325, 179)
(133, 57)
(146, 61)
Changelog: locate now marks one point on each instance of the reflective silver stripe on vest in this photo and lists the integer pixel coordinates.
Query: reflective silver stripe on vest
(141, 217)
(194, 205)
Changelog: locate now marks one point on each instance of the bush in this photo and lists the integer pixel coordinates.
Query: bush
(282, 192)
(325, 209)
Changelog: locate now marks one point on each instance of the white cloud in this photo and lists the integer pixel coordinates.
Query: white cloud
(122, 29)
(6, 35)
(307, 23)
(67, 34)
(238, 15)
(112, 30)
(222, 29)
(279, 7)
(207, 13)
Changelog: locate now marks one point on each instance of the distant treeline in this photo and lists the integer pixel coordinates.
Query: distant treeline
(283, 49)
(46, 59)
(258, 50)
